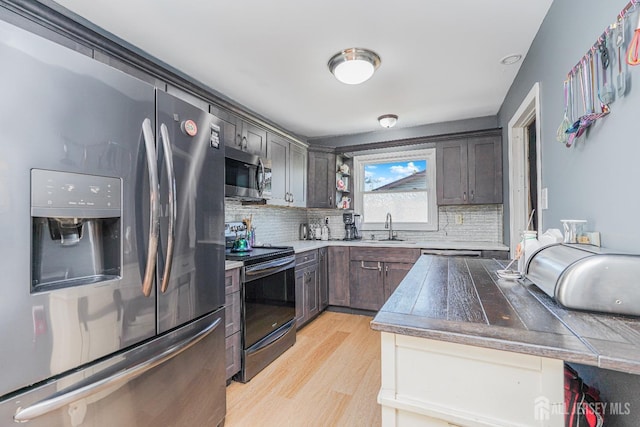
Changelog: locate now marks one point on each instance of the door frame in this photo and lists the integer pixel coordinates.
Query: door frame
(518, 179)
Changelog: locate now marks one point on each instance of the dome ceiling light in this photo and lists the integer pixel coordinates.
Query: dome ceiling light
(388, 120)
(354, 65)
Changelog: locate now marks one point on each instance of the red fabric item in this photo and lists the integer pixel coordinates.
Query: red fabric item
(583, 407)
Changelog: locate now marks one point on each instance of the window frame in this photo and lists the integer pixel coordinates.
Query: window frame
(428, 154)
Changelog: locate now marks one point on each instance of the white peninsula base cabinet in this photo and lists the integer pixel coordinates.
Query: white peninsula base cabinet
(427, 382)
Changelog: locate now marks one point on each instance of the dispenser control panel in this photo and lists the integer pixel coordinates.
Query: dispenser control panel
(74, 194)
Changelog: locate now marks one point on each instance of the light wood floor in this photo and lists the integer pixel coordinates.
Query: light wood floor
(330, 377)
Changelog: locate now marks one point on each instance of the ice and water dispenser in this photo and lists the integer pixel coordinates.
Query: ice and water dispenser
(76, 235)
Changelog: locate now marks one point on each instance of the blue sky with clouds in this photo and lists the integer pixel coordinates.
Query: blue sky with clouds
(378, 174)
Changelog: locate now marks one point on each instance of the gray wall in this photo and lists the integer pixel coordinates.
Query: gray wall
(596, 179)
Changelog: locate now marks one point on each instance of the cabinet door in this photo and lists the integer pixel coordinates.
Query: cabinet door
(485, 170)
(278, 150)
(339, 276)
(231, 127)
(323, 278)
(394, 272)
(232, 354)
(232, 301)
(300, 297)
(298, 175)
(321, 188)
(311, 302)
(231, 135)
(254, 139)
(366, 288)
(452, 173)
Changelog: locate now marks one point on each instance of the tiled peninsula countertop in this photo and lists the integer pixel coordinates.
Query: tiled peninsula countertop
(462, 300)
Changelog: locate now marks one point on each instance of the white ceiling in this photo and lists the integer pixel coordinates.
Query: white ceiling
(440, 58)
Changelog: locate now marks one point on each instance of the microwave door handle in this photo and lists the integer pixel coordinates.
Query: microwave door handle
(111, 378)
(262, 180)
(154, 204)
(171, 231)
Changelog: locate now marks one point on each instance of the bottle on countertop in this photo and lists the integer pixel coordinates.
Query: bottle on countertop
(529, 245)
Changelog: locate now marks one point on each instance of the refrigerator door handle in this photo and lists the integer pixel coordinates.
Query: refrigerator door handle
(154, 204)
(113, 377)
(171, 231)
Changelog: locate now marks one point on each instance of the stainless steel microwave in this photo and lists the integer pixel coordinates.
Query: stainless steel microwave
(247, 176)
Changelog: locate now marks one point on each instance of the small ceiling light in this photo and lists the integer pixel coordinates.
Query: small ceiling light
(354, 65)
(511, 59)
(388, 120)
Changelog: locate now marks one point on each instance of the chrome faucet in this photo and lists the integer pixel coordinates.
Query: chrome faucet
(388, 224)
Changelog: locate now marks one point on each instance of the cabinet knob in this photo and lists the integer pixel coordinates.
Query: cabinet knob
(464, 196)
(244, 143)
(472, 195)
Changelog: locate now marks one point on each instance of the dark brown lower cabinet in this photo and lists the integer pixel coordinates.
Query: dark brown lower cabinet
(366, 285)
(232, 319)
(311, 285)
(307, 306)
(339, 276)
(375, 273)
(394, 272)
(323, 277)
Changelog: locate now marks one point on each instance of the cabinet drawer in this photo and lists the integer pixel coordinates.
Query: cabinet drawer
(409, 255)
(232, 313)
(307, 258)
(232, 281)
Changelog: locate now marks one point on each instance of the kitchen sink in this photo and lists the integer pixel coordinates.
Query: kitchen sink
(386, 241)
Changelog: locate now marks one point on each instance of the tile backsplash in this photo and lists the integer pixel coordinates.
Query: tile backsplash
(273, 224)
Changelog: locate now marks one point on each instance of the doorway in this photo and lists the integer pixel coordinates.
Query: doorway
(524, 168)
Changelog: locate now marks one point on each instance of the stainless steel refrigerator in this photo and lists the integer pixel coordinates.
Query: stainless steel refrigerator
(112, 227)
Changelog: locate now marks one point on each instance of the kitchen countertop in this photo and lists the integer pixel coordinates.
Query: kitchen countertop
(308, 245)
(230, 265)
(462, 300)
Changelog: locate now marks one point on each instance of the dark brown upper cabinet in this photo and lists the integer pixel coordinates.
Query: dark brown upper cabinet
(322, 176)
(469, 171)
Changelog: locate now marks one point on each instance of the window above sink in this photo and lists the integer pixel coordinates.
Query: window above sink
(402, 184)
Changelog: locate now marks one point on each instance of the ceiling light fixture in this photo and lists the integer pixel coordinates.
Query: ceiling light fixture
(388, 120)
(511, 59)
(354, 65)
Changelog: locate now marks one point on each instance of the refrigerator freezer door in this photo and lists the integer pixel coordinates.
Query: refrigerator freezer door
(178, 380)
(65, 112)
(196, 282)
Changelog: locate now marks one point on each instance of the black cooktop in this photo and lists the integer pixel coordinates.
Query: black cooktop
(259, 254)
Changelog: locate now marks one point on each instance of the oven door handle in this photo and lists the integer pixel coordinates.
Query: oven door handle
(256, 271)
(270, 339)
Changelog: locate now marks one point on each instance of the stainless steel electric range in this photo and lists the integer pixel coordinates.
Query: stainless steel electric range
(268, 306)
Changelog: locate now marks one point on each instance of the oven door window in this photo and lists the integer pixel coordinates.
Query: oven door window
(269, 303)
